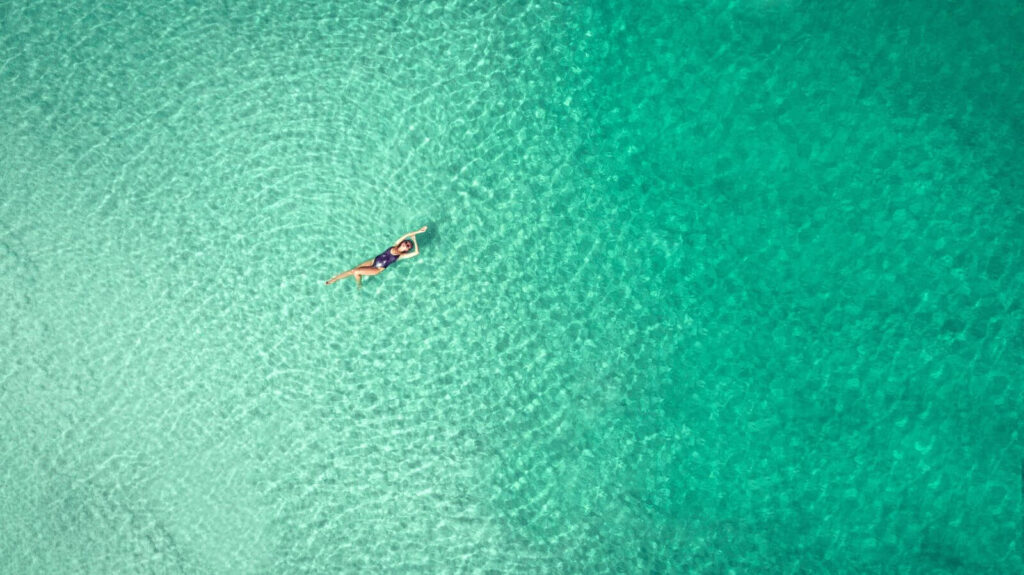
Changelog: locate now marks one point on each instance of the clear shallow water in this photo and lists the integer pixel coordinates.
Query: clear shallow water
(708, 287)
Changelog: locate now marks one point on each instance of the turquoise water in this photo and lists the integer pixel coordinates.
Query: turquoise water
(709, 287)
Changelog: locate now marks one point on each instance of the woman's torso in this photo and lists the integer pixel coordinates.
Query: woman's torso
(385, 259)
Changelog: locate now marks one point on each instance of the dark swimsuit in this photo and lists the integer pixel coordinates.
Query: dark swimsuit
(385, 259)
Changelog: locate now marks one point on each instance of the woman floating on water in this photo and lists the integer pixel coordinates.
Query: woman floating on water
(399, 251)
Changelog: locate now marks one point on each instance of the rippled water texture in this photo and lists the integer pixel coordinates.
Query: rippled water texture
(709, 287)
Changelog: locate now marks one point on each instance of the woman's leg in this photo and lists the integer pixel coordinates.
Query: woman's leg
(361, 271)
(343, 275)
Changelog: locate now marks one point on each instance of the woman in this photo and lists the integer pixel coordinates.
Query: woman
(399, 251)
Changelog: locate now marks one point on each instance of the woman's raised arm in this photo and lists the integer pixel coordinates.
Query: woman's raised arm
(410, 235)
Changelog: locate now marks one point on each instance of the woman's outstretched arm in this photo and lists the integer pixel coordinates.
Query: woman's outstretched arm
(410, 235)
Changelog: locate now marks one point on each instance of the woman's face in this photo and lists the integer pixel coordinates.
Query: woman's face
(404, 247)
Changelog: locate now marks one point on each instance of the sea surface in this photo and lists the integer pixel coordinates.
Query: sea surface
(708, 287)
